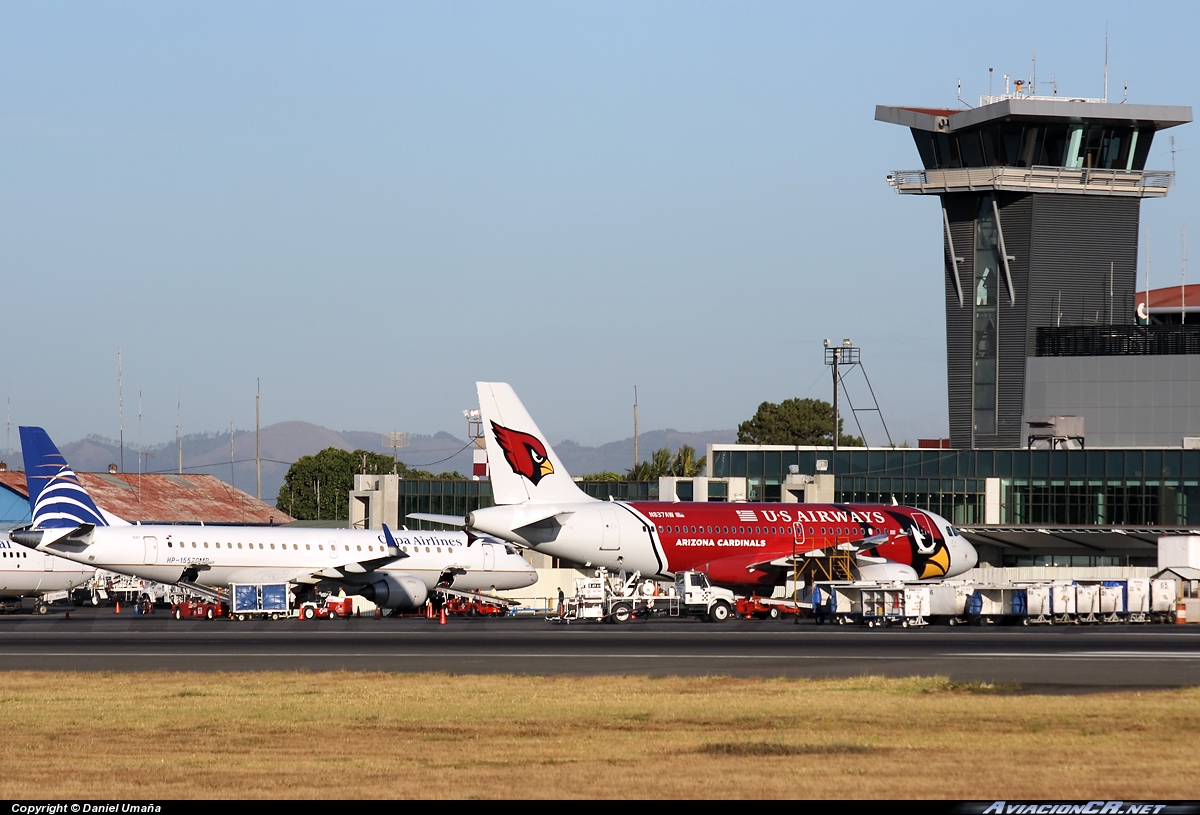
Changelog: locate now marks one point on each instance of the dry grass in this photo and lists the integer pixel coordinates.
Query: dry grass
(356, 735)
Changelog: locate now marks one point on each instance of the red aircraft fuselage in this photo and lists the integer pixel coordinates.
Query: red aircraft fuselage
(736, 543)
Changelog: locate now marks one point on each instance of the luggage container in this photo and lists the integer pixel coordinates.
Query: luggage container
(1087, 602)
(948, 601)
(1039, 607)
(1063, 601)
(992, 604)
(1164, 596)
(250, 600)
(1113, 601)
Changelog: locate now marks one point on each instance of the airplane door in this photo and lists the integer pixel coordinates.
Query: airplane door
(611, 540)
(49, 562)
(489, 557)
(151, 549)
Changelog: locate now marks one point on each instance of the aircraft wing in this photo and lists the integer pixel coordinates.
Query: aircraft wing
(448, 520)
(850, 547)
(358, 571)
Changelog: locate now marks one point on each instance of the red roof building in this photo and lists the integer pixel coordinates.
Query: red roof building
(165, 498)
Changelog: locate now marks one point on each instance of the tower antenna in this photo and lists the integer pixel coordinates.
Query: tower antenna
(1105, 63)
(636, 460)
(121, 408)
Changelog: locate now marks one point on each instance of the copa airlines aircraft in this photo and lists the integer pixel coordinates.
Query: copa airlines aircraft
(736, 544)
(26, 572)
(395, 570)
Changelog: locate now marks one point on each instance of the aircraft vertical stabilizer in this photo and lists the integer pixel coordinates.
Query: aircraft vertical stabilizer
(524, 468)
(56, 498)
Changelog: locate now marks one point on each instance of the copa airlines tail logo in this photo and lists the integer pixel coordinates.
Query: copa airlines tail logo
(524, 453)
(62, 501)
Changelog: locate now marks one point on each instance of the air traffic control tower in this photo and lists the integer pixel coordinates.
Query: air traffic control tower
(1040, 199)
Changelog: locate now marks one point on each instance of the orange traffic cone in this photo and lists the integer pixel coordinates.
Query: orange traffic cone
(442, 616)
(118, 607)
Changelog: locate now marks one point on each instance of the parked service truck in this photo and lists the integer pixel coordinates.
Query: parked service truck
(610, 599)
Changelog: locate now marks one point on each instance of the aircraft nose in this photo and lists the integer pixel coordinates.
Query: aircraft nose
(963, 555)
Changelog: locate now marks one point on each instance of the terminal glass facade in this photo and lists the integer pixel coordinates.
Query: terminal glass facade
(1053, 487)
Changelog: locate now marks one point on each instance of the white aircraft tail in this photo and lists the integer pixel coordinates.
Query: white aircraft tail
(524, 469)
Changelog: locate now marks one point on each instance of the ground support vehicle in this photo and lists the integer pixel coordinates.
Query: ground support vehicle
(699, 598)
(896, 604)
(328, 608)
(618, 599)
(198, 609)
(767, 608)
(839, 601)
(249, 600)
(474, 607)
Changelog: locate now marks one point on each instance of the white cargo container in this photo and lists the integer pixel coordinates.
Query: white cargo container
(1087, 602)
(1039, 606)
(1164, 594)
(1062, 601)
(948, 601)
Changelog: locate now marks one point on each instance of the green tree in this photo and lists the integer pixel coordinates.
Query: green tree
(685, 464)
(794, 421)
(330, 475)
(607, 475)
(682, 463)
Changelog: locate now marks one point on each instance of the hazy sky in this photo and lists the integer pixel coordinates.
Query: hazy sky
(370, 206)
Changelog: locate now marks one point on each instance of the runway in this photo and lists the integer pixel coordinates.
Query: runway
(1069, 658)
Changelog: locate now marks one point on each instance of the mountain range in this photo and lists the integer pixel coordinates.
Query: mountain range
(233, 461)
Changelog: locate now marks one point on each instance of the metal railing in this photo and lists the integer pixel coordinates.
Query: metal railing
(1118, 341)
(1137, 183)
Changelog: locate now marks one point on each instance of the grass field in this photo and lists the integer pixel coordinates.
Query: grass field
(355, 735)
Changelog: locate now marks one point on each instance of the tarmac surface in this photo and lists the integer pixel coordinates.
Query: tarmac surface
(1070, 659)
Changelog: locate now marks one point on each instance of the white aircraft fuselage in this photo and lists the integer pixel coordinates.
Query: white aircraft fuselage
(223, 555)
(26, 572)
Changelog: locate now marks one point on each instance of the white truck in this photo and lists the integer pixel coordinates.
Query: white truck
(613, 599)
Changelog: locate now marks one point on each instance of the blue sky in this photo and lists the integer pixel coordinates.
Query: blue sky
(370, 206)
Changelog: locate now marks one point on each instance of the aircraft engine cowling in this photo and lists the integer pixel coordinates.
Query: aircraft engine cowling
(396, 592)
(885, 572)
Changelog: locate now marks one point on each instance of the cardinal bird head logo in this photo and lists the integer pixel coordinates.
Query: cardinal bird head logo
(524, 453)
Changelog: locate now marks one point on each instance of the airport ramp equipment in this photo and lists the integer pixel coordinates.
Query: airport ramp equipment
(249, 600)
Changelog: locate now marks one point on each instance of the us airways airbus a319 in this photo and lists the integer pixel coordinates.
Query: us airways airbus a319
(396, 570)
(736, 544)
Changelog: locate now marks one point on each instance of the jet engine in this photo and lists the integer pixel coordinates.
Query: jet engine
(396, 592)
(886, 572)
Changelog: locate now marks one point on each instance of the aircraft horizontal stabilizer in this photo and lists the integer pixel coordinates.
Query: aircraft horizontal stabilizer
(73, 538)
(559, 518)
